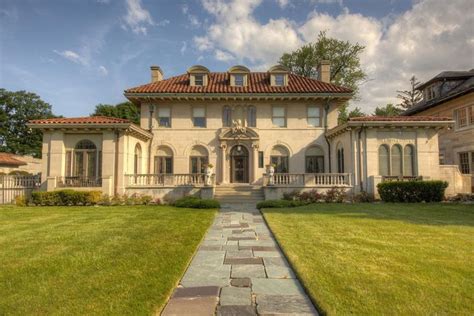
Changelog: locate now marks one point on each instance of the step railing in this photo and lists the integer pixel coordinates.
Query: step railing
(308, 180)
(169, 180)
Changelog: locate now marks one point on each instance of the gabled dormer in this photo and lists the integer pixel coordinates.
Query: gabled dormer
(198, 76)
(278, 76)
(239, 76)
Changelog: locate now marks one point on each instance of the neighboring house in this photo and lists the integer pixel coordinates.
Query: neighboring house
(10, 164)
(451, 94)
(240, 122)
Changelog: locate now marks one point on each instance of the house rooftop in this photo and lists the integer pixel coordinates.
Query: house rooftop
(399, 119)
(10, 160)
(80, 120)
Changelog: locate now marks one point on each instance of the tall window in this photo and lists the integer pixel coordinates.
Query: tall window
(464, 116)
(227, 116)
(408, 160)
(396, 156)
(199, 116)
(340, 158)
(84, 161)
(279, 157)
(279, 80)
(279, 116)
(466, 163)
(314, 116)
(314, 160)
(252, 116)
(198, 80)
(239, 80)
(137, 161)
(164, 117)
(163, 162)
(198, 159)
(384, 161)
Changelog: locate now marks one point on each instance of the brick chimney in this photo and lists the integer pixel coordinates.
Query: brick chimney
(156, 74)
(324, 71)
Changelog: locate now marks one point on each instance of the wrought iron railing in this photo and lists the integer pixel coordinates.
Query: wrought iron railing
(78, 182)
(308, 179)
(401, 178)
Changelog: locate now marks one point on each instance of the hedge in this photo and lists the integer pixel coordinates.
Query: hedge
(65, 197)
(195, 202)
(412, 191)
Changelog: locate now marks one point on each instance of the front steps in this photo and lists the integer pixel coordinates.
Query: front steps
(239, 194)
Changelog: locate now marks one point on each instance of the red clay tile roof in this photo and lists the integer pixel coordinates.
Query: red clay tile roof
(8, 159)
(399, 119)
(259, 82)
(81, 120)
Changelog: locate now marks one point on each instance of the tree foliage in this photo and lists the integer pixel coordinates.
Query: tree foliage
(345, 114)
(125, 110)
(388, 110)
(410, 97)
(16, 109)
(344, 58)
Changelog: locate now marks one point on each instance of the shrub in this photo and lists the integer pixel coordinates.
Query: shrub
(310, 196)
(45, 198)
(21, 200)
(334, 195)
(105, 200)
(195, 202)
(145, 199)
(363, 197)
(93, 197)
(412, 191)
(462, 197)
(279, 204)
(291, 196)
(66, 197)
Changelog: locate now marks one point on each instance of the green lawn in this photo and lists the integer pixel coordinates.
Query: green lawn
(94, 260)
(373, 259)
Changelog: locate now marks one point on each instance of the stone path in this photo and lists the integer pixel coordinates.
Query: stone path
(239, 270)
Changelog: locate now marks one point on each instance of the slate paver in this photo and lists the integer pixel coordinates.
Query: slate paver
(235, 296)
(239, 270)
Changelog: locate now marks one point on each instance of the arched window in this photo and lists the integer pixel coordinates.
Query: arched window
(396, 157)
(84, 161)
(340, 158)
(163, 162)
(314, 160)
(227, 116)
(137, 159)
(384, 160)
(408, 160)
(252, 116)
(198, 160)
(279, 157)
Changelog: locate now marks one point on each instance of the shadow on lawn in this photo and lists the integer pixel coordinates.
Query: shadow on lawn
(437, 214)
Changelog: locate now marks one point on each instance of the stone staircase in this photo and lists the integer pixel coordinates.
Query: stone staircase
(239, 194)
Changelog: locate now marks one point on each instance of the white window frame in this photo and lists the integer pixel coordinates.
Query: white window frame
(276, 78)
(159, 117)
(279, 117)
(204, 116)
(308, 117)
(196, 81)
(240, 76)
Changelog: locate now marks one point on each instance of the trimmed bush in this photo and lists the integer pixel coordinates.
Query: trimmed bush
(279, 204)
(412, 191)
(195, 202)
(65, 197)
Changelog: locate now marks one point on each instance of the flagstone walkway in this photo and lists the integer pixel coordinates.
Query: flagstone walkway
(239, 270)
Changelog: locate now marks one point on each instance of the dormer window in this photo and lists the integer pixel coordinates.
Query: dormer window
(239, 80)
(278, 76)
(279, 79)
(198, 80)
(198, 76)
(238, 76)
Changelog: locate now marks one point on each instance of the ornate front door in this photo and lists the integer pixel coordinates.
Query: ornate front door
(239, 164)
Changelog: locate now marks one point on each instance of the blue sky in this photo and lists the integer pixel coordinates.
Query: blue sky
(78, 53)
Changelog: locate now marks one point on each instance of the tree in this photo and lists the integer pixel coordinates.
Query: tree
(16, 109)
(344, 58)
(345, 114)
(125, 110)
(410, 97)
(388, 110)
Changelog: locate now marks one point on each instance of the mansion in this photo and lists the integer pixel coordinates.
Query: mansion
(272, 131)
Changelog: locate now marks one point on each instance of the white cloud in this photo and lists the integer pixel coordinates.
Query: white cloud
(430, 37)
(184, 46)
(222, 56)
(137, 17)
(72, 56)
(103, 71)
(192, 19)
(103, 1)
(283, 3)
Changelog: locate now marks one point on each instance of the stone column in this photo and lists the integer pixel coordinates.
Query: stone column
(223, 147)
(255, 162)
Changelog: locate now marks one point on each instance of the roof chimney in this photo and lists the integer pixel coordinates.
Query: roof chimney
(324, 71)
(156, 74)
